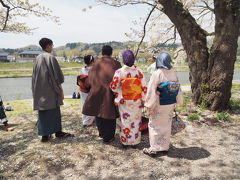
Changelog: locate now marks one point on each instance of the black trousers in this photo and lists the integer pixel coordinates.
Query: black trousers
(106, 128)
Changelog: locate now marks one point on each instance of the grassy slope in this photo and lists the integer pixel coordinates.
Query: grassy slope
(25, 106)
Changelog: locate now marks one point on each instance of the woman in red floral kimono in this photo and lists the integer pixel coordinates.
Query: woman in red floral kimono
(130, 88)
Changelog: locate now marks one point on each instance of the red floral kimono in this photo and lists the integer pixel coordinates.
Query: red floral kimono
(130, 89)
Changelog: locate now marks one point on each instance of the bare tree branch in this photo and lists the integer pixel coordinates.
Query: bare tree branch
(131, 3)
(202, 16)
(206, 7)
(7, 14)
(174, 38)
(177, 53)
(144, 29)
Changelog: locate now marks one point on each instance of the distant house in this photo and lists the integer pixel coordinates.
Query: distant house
(28, 55)
(77, 59)
(4, 57)
(142, 60)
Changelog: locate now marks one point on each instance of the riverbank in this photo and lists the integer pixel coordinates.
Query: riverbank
(16, 70)
(207, 149)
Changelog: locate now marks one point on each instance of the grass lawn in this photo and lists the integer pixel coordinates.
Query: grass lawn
(24, 107)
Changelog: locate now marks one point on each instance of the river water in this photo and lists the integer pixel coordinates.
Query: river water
(20, 88)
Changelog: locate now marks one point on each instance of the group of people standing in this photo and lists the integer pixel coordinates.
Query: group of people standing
(109, 91)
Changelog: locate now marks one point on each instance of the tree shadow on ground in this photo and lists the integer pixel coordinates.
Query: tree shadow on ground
(189, 153)
(9, 125)
(17, 143)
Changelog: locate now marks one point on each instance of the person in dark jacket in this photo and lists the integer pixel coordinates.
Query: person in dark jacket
(100, 100)
(3, 117)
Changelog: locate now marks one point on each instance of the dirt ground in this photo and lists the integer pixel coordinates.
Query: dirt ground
(201, 151)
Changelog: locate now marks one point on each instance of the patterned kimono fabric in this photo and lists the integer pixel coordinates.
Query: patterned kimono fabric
(87, 120)
(160, 120)
(130, 110)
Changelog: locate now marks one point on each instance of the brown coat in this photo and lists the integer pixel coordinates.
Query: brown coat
(100, 100)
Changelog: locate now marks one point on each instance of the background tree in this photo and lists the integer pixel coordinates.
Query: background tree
(12, 10)
(211, 68)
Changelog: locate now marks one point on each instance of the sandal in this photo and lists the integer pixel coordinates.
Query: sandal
(152, 153)
(149, 152)
(63, 135)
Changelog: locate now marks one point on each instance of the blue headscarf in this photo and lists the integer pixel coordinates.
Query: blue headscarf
(164, 61)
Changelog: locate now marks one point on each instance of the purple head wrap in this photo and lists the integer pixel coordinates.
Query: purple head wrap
(128, 58)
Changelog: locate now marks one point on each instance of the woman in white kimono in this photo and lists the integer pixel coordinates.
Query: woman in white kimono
(85, 88)
(130, 89)
(163, 94)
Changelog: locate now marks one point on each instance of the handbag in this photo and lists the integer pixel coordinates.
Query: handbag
(144, 124)
(177, 124)
(82, 82)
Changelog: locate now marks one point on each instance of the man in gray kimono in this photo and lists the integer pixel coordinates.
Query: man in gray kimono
(47, 92)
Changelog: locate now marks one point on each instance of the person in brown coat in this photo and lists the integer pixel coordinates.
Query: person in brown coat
(100, 100)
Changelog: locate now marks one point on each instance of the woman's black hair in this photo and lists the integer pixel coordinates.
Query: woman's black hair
(44, 42)
(107, 50)
(88, 59)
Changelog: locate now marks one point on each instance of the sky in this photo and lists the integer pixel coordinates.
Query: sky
(102, 23)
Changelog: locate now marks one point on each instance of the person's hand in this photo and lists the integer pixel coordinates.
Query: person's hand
(142, 104)
(175, 107)
(62, 95)
(149, 111)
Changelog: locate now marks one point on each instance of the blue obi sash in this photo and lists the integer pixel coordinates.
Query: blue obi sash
(168, 92)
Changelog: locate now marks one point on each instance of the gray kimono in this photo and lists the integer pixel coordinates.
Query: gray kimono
(46, 82)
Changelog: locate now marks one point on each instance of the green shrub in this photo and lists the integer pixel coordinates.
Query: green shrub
(193, 117)
(223, 116)
(235, 104)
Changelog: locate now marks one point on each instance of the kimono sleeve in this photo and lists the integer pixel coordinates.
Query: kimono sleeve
(143, 84)
(152, 96)
(57, 72)
(116, 87)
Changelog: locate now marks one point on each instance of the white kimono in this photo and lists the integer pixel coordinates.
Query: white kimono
(87, 120)
(130, 110)
(151, 68)
(160, 120)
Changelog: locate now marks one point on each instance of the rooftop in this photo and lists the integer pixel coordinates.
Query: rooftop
(31, 52)
(3, 54)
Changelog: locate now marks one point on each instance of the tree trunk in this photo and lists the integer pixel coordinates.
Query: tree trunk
(194, 40)
(223, 54)
(211, 73)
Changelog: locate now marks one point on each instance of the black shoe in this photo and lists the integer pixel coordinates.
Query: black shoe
(125, 146)
(133, 146)
(45, 138)
(108, 141)
(61, 134)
